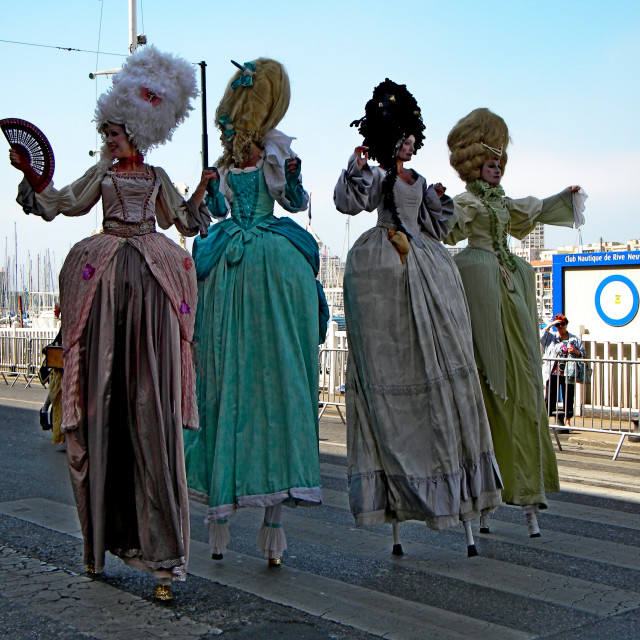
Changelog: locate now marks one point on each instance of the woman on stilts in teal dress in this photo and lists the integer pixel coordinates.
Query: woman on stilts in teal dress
(258, 323)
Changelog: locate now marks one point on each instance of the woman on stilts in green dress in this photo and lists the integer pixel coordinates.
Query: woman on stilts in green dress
(500, 290)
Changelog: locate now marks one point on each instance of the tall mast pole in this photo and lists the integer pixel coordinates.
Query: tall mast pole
(15, 237)
(133, 26)
(205, 137)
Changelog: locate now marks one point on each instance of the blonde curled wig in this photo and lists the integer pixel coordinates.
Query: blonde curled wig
(479, 136)
(246, 113)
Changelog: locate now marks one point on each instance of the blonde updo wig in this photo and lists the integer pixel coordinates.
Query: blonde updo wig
(253, 110)
(470, 139)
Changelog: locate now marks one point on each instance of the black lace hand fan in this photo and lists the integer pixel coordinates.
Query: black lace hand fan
(36, 155)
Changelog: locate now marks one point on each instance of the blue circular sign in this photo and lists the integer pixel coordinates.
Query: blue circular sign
(617, 300)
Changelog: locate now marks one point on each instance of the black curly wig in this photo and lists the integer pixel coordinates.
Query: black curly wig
(391, 116)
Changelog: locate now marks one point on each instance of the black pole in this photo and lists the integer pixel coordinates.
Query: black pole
(205, 138)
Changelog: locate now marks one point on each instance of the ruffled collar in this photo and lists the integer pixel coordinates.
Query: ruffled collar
(255, 167)
(484, 191)
(277, 147)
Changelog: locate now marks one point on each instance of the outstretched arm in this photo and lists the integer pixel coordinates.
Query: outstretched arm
(190, 216)
(356, 189)
(207, 175)
(76, 199)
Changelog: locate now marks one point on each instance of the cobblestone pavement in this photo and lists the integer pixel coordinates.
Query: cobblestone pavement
(94, 608)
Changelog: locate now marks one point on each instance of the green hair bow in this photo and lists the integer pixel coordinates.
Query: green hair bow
(227, 126)
(246, 78)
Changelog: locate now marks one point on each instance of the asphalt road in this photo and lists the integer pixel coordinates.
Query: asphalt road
(581, 579)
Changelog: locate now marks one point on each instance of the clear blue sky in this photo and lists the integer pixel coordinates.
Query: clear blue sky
(563, 74)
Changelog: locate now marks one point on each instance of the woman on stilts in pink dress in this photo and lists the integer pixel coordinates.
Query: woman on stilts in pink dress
(128, 300)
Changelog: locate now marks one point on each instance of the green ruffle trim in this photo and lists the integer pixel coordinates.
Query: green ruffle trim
(493, 200)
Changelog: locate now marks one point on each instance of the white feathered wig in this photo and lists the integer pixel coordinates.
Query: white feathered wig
(150, 96)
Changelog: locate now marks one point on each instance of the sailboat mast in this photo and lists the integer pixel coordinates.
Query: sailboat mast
(133, 26)
(15, 236)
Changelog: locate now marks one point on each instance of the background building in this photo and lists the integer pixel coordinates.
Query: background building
(535, 240)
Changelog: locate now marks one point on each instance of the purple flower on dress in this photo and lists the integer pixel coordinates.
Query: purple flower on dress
(187, 264)
(88, 271)
(184, 307)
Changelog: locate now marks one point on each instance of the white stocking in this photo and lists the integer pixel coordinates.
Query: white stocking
(271, 539)
(531, 513)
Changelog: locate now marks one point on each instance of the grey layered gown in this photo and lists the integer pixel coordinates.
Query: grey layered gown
(418, 440)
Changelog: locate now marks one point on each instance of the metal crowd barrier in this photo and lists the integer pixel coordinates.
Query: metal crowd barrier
(21, 354)
(608, 403)
(332, 367)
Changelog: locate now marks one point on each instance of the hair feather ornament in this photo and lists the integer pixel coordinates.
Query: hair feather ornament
(150, 96)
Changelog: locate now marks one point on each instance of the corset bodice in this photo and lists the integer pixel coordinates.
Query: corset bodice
(252, 201)
(408, 199)
(129, 197)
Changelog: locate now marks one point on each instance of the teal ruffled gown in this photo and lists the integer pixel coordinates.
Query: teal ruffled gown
(257, 329)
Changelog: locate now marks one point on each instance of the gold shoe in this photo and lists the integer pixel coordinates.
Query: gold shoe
(163, 592)
(275, 562)
(91, 569)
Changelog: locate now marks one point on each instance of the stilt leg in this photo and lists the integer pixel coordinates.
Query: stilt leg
(471, 545)
(484, 521)
(163, 590)
(397, 547)
(271, 539)
(219, 538)
(531, 513)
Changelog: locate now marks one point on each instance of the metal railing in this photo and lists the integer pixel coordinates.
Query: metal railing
(607, 403)
(332, 367)
(21, 353)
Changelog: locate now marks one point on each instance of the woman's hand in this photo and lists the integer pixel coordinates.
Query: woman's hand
(213, 182)
(573, 350)
(293, 165)
(362, 155)
(19, 160)
(574, 188)
(552, 324)
(440, 189)
(209, 174)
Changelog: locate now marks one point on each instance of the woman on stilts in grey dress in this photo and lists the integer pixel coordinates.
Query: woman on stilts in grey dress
(418, 440)
(128, 299)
